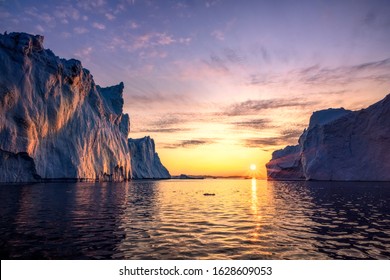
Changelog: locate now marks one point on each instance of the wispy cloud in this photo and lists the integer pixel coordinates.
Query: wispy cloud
(226, 60)
(291, 134)
(189, 143)
(67, 13)
(217, 63)
(234, 56)
(109, 16)
(212, 3)
(218, 34)
(133, 25)
(185, 40)
(253, 124)
(149, 95)
(160, 130)
(317, 75)
(84, 53)
(263, 142)
(169, 120)
(40, 28)
(146, 42)
(164, 39)
(99, 26)
(173, 123)
(153, 54)
(151, 40)
(41, 16)
(376, 70)
(91, 4)
(251, 107)
(288, 136)
(80, 30)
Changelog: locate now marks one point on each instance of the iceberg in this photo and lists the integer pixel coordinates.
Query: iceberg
(55, 122)
(339, 145)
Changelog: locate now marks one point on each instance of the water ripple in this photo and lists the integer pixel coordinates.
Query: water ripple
(174, 220)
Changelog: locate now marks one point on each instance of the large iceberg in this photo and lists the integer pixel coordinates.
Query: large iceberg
(145, 161)
(55, 123)
(339, 145)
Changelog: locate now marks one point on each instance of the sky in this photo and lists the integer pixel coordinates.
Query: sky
(218, 84)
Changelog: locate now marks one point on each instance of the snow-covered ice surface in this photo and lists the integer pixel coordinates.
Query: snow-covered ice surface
(339, 145)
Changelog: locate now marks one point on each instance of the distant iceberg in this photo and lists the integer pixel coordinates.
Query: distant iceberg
(339, 145)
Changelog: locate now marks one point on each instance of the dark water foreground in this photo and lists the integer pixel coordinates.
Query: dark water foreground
(245, 219)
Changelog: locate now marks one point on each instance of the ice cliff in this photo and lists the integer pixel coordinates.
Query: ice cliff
(55, 123)
(339, 145)
(145, 161)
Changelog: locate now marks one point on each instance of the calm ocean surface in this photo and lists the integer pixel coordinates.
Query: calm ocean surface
(173, 219)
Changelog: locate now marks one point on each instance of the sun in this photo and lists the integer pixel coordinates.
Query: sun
(252, 167)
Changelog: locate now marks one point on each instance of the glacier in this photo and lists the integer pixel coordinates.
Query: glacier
(55, 122)
(339, 145)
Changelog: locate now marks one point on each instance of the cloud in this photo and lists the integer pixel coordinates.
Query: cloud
(320, 76)
(164, 39)
(262, 142)
(291, 134)
(44, 20)
(161, 130)
(109, 16)
(84, 53)
(174, 122)
(169, 120)
(133, 25)
(41, 16)
(40, 28)
(91, 4)
(149, 40)
(217, 63)
(67, 13)
(251, 107)
(189, 143)
(218, 34)
(66, 35)
(211, 3)
(385, 63)
(152, 54)
(147, 95)
(286, 137)
(226, 60)
(234, 56)
(99, 26)
(185, 40)
(146, 41)
(80, 30)
(255, 124)
(373, 70)
(180, 5)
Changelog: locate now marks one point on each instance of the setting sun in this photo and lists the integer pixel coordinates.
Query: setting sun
(253, 167)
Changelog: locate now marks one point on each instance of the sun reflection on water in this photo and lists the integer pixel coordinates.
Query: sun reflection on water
(254, 205)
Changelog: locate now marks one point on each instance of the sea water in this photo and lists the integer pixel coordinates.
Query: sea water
(196, 219)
